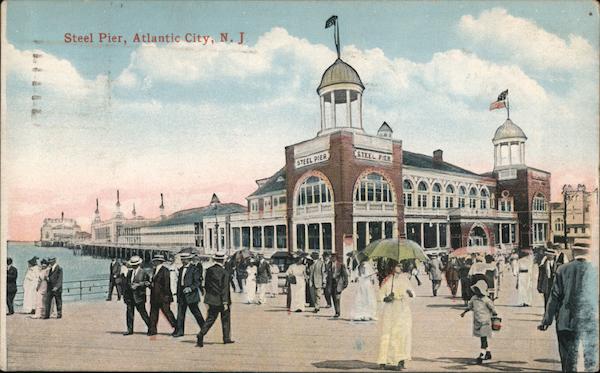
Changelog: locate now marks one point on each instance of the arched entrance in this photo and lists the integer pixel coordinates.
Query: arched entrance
(478, 236)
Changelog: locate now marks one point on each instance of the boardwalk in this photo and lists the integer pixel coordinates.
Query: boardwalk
(269, 338)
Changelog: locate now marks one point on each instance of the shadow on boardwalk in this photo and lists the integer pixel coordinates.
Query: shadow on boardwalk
(345, 365)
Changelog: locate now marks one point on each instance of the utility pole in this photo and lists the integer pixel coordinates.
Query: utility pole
(566, 189)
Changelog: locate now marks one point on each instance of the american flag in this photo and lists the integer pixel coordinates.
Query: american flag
(500, 102)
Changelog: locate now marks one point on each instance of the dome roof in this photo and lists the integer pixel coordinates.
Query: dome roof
(340, 72)
(509, 130)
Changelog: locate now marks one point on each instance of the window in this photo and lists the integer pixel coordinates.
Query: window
(436, 199)
(473, 198)
(312, 191)
(449, 197)
(422, 194)
(267, 203)
(313, 237)
(539, 203)
(254, 205)
(327, 237)
(505, 205)
(373, 188)
(483, 202)
(256, 237)
(269, 236)
(462, 192)
(300, 237)
(407, 193)
(281, 236)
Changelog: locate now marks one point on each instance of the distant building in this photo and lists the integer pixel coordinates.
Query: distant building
(59, 230)
(581, 205)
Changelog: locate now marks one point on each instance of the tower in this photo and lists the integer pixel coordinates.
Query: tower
(97, 213)
(509, 146)
(385, 131)
(162, 207)
(133, 212)
(118, 214)
(340, 94)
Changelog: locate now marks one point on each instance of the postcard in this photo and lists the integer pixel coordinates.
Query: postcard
(299, 186)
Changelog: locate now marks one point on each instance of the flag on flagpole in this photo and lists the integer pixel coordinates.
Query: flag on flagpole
(500, 102)
(331, 21)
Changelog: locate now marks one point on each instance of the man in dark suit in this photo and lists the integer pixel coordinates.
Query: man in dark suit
(339, 281)
(188, 294)
(134, 294)
(327, 290)
(160, 295)
(11, 286)
(218, 299)
(55, 283)
(573, 303)
(114, 280)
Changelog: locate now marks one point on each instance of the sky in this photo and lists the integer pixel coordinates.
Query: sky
(187, 119)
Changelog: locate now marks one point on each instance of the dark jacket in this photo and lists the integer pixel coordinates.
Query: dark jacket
(55, 279)
(135, 290)
(115, 270)
(161, 287)
(573, 300)
(339, 278)
(11, 280)
(263, 274)
(217, 286)
(191, 280)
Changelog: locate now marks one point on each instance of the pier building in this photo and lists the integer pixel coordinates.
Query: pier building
(59, 230)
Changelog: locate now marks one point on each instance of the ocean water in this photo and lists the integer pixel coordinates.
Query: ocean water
(75, 268)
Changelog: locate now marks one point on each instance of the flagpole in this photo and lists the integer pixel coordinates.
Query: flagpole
(337, 33)
(507, 108)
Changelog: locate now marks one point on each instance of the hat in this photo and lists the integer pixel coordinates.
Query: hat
(326, 254)
(135, 260)
(314, 255)
(219, 255)
(33, 261)
(481, 285)
(51, 259)
(44, 261)
(158, 258)
(551, 252)
(186, 256)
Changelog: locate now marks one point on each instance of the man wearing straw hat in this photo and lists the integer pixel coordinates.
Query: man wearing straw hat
(188, 293)
(160, 295)
(573, 303)
(218, 299)
(134, 294)
(55, 284)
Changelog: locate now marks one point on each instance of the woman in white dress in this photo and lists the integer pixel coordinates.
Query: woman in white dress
(250, 288)
(30, 283)
(365, 301)
(524, 278)
(296, 278)
(396, 319)
(274, 285)
(41, 290)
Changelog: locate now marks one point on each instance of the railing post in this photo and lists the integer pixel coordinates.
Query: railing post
(80, 290)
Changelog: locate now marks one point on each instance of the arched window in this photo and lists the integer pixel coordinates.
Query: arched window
(314, 190)
(462, 192)
(483, 202)
(558, 225)
(373, 188)
(539, 203)
(473, 198)
(407, 194)
(436, 198)
(422, 194)
(449, 196)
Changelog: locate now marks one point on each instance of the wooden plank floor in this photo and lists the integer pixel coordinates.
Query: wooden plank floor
(267, 337)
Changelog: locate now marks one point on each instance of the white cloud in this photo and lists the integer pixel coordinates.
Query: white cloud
(527, 42)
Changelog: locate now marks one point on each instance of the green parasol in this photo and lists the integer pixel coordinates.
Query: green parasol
(396, 249)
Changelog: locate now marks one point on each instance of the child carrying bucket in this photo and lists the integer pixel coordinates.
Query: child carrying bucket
(484, 318)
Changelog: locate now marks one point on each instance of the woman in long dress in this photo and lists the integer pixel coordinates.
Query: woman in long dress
(524, 279)
(274, 285)
(30, 283)
(296, 278)
(250, 287)
(41, 290)
(365, 302)
(396, 319)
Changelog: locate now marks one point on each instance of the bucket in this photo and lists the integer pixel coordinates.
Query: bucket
(496, 323)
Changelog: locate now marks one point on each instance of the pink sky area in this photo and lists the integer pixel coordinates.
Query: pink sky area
(28, 207)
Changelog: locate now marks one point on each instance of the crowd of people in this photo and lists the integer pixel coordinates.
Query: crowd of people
(42, 288)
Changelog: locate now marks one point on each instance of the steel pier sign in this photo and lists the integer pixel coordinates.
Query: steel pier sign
(370, 155)
(312, 159)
